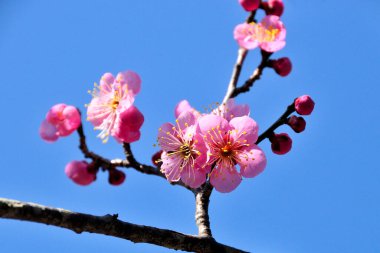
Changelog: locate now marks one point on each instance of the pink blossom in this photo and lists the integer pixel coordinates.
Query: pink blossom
(281, 143)
(230, 110)
(111, 110)
(78, 172)
(231, 143)
(250, 5)
(184, 153)
(61, 120)
(269, 34)
(183, 106)
(304, 105)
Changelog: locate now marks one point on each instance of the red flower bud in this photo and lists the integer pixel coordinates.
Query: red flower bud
(281, 143)
(298, 124)
(304, 105)
(156, 158)
(273, 7)
(250, 5)
(116, 177)
(282, 66)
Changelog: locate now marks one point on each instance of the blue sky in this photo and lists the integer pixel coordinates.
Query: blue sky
(321, 197)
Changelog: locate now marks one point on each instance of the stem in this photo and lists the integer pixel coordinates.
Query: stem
(242, 53)
(202, 201)
(281, 121)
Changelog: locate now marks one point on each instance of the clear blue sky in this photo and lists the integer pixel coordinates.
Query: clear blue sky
(322, 197)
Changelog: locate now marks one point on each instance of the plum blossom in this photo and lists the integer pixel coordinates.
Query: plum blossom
(231, 143)
(61, 120)
(184, 152)
(269, 34)
(230, 110)
(111, 109)
(183, 106)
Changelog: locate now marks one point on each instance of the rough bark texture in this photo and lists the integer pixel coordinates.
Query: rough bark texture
(202, 201)
(110, 225)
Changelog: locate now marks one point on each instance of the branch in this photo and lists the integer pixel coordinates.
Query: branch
(281, 121)
(202, 201)
(110, 225)
(255, 76)
(129, 162)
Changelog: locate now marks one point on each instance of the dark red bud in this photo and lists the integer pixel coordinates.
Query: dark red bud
(304, 105)
(156, 158)
(298, 124)
(250, 5)
(116, 177)
(282, 66)
(273, 7)
(281, 143)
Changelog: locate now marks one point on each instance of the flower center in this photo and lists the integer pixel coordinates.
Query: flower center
(226, 151)
(185, 151)
(266, 34)
(116, 100)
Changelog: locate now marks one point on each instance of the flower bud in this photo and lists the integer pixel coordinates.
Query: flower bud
(116, 177)
(304, 105)
(282, 66)
(156, 158)
(298, 124)
(78, 172)
(273, 7)
(250, 5)
(281, 143)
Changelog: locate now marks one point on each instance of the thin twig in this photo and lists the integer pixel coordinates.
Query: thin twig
(281, 121)
(202, 219)
(109, 225)
(255, 75)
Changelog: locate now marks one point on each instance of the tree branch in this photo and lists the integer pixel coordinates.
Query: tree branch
(202, 201)
(254, 77)
(281, 121)
(110, 225)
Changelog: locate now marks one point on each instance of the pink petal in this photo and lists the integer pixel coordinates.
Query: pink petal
(132, 79)
(243, 35)
(167, 138)
(132, 117)
(185, 119)
(96, 113)
(77, 171)
(209, 122)
(246, 129)
(193, 177)
(272, 46)
(54, 115)
(106, 83)
(71, 121)
(252, 162)
(171, 166)
(225, 179)
(48, 132)
(182, 106)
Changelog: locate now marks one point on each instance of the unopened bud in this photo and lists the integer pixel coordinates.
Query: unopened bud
(273, 7)
(298, 124)
(282, 66)
(116, 177)
(304, 105)
(281, 143)
(156, 158)
(250, 5)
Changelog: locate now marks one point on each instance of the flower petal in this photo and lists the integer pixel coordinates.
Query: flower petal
(48, 132)
(252, 162)
(171, 166)
(192, 176)
(225, 179)
(246, 129)
(132, 79)
(167, 138)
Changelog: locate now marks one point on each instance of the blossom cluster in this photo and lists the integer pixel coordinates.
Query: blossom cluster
(111, 111)
(211, 145)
